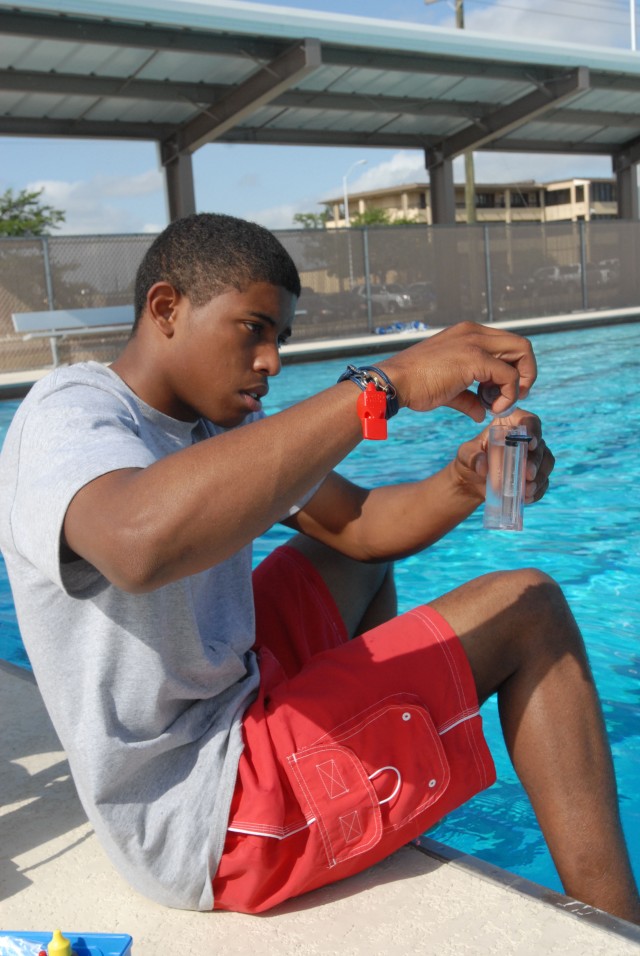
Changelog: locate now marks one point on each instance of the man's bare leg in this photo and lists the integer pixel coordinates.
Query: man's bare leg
(523, 643)
(365, 593)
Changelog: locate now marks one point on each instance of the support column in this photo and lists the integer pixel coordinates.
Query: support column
(443, 212)
(443, 198)
(179, 185)
(627, 189)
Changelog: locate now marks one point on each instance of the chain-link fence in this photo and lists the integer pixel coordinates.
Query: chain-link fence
(64, 272)
(355, 281)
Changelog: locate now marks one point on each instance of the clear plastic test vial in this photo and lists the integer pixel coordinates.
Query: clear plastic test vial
(504, 497)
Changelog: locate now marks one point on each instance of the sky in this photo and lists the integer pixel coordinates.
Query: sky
(118, 187)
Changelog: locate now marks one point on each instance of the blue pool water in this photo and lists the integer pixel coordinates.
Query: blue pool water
(584, 533)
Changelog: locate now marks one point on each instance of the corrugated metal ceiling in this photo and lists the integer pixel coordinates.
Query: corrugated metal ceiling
(188, 73)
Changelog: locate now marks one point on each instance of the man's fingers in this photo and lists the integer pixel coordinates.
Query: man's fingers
(467, 403)
(440, 370)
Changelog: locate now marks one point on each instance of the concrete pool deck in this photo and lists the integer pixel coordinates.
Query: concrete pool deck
(54, 874)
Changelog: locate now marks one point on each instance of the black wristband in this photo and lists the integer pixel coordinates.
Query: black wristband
(371, 373)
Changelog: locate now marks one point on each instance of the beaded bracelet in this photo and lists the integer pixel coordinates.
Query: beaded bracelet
(379, 399)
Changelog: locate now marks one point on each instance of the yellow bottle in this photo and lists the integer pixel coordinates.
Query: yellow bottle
(59, 945)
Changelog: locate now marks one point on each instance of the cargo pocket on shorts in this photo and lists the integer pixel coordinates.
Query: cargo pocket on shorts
(374, 772)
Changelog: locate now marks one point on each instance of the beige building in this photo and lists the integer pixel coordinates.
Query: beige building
(569, 200)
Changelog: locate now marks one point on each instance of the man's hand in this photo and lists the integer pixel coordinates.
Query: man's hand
(441, 369)
(471, 460)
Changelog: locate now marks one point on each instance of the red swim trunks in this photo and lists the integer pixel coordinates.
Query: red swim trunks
(352, 749)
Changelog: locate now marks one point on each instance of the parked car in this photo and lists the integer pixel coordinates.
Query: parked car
(610, 269)
(315, 307)
(423, 295)
(390, 298)
(556, 278)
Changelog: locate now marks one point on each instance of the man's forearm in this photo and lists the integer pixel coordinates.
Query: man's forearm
(401, 520)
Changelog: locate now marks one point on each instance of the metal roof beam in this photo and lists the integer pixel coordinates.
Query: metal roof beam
(261, 87)
(19, 126)
(365, 103)
(82, 129)
(601, 118)
(76, 84)
(310, 137)
(30, 81)
(36, 81)
(435, 65)
(323, 137)
(582, 148)
(516, 114)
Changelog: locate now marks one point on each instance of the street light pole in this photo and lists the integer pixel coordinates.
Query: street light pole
(347, 221)
(359, 162)
(632, 15)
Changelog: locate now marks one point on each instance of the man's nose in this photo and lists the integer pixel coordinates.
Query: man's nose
(268, 360)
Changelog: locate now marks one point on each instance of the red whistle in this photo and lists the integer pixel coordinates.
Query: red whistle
(372, 410)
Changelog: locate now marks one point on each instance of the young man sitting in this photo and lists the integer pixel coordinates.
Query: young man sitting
(231, 745)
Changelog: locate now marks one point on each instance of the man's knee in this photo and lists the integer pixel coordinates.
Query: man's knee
(509, 619)
(539, 600)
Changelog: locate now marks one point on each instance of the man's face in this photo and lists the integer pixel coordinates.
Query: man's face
(224, 352)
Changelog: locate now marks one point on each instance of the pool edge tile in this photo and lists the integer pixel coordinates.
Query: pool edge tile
(518, 884)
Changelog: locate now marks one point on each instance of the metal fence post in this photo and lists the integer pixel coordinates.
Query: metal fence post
(47, 273)
(487, 268)
(53, 342)
(583, 265)
(367, 276)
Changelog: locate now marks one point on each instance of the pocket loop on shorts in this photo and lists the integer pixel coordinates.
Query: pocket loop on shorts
(396, 789)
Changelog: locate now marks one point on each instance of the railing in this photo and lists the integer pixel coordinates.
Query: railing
(356, 281)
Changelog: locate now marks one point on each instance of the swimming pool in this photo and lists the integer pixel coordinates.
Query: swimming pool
(583, 534)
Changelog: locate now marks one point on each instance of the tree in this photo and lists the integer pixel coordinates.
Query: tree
(26, 215)
(371, 217)
(312, 220)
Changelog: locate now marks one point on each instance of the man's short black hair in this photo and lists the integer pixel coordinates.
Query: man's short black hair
(207, 254)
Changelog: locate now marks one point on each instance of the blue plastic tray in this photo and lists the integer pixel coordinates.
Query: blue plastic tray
(83, 944)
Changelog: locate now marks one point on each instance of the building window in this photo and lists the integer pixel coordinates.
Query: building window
(422, 201)
(603, 192)
(485, 200)
(558, 197)
(579, 193)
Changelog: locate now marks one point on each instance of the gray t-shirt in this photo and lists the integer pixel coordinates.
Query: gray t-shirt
(145, 691)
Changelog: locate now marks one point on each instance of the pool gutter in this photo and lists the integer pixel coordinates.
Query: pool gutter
(17, 384)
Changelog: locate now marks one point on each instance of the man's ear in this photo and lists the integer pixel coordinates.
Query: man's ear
(162, 303)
